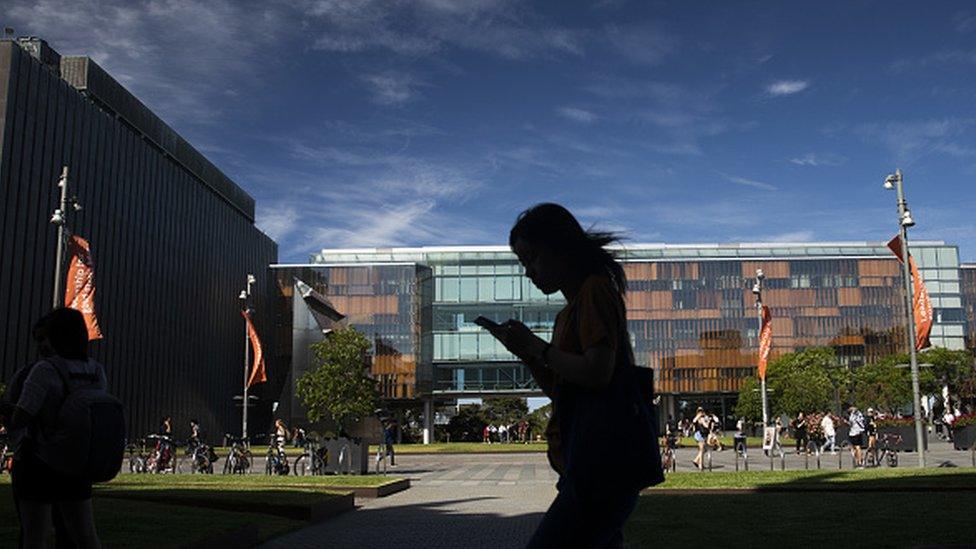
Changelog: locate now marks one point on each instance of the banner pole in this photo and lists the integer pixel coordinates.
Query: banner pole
(59, 219)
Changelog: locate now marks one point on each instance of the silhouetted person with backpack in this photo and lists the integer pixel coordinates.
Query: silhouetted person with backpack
(602, 434)
(52, 469)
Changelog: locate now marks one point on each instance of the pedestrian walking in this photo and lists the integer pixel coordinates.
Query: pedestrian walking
(830, 433)
(601, 434)
(700, 424)
(856, 435)
(800, 433)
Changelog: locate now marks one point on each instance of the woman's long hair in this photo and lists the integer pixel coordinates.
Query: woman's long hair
(553, 226)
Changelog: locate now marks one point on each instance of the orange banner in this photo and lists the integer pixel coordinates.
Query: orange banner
(921, 304)
(258, 374)
(765, 341)
(79, 293)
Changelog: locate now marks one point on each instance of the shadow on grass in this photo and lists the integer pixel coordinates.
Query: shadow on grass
(869, 508)
(448, 523)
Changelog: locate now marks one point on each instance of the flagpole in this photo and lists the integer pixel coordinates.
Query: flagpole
(904, 222)
(757, 289)
(59, 219)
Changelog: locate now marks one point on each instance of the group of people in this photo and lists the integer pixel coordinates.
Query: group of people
(505, 433)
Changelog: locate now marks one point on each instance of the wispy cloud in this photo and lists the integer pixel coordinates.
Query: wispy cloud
(817, 160)
(794, 236)
(934, 60)
(497, 27)
(576, 114)
(646, 44)
(392, 87)
(747, 182)
(787, 87)
(909, 141)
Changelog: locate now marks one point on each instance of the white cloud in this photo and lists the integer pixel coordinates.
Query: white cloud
(391, 87)
(908, 141)
(576, 114)
(747, 182)
(794, 236)
(787, 87)
(817, 160)
(645, 44)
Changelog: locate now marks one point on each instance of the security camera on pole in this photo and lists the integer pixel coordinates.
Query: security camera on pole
(894, 181)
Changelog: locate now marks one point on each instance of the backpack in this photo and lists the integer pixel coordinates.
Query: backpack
(88, 439)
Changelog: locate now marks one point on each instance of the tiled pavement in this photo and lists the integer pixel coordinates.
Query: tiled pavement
(495, 500)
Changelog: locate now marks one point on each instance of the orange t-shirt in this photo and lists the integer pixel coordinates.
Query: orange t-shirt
(596, 315)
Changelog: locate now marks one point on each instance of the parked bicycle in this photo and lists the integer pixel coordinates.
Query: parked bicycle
(277, 461)
(313, 460)
(201, 457)
(6, 456)
(136, 456)
(161, 459)
(884, 452)
(238, 458)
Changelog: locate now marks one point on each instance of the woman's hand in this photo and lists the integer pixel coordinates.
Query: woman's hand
(519, 340)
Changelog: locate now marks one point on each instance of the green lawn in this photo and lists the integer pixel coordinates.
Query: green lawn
(870, 508)
(250, 482)
(135, 523)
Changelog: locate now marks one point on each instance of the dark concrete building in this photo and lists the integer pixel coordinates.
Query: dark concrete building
(967, 275)
(173, 241)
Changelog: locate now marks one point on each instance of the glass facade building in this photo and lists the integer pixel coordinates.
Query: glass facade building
(691, 311)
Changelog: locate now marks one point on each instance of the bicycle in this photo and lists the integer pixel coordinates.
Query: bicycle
(136, 456)
(277, 461)
(6, 456)
(875, 456)
(161, 460)
(238, 460)
(312, 461)
(201, 457)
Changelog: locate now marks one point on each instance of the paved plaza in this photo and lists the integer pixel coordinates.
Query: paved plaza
(496, 500)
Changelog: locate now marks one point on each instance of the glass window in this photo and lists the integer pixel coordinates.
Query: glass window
(505, 288)
(486, 269)
(950, 302)
(927, 257)
(486, 289)
(949, 274)
(450, 269)
(948, 257)
(469, 289)
(468, 346)
(469, 269)
(449, 289)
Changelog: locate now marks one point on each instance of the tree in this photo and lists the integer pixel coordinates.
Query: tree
(507, 410)
(954, 369)
(883, 385)
(538, 419)
(467, 424)
(805, 381)
(339, 385)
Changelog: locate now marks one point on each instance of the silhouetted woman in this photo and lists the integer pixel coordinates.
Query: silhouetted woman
(602, 437)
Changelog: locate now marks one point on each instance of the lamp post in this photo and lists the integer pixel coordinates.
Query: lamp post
(59, 219)
(757, 289)
(894, 181)
(245, 297)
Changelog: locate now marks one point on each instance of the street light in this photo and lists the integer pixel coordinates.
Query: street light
(894, 181)
(245, 296)
(757, 289)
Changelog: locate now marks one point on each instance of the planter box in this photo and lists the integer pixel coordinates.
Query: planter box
(907, 434)
(964, 437)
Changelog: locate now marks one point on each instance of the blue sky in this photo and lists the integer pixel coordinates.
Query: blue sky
(434, 122)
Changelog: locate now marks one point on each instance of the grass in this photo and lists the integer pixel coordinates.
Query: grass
(129, 523)
(911, 511)
(171, 510)
(249, 482)
(909, 479)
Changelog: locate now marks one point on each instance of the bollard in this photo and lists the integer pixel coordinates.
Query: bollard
(709, 462)
(840, 460)
(782, 461)
(736, 460)
(806, 461)
(818, 460)
(745, 459)
(973, 452)
(771, 467)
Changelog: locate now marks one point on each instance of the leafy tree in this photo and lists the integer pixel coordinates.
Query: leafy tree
(467, 424)
(538, 419)
(339, 386)
(804, 381)
(507, 410)
(952, 368)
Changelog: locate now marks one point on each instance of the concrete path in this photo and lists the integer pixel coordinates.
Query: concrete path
(471, 501)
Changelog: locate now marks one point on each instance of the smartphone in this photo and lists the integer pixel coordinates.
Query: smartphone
(487, 323)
